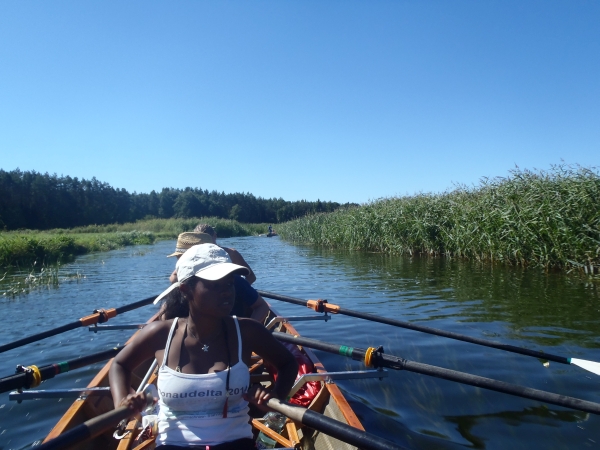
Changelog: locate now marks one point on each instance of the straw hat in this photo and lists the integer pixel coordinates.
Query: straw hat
(189, 239)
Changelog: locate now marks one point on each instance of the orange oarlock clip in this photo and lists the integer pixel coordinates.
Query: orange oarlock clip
(99, 316)
(322, 306)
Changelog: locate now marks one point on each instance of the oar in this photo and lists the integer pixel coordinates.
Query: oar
(333, 428)
(98, 316)
(323, 306)
(32, 376)
(372, 357)
(93, 427)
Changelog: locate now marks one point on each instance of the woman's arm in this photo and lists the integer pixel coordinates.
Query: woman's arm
(237, 258)
(150, 339)
(260, 310)
(261, 341)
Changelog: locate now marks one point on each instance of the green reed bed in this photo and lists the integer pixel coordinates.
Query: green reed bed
(542, 218)
(171, 228)
(26, 247)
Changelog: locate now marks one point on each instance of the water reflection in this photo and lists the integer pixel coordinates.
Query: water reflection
(545, 308)
(540, 416)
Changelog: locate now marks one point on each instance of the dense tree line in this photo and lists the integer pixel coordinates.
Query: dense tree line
(42, 201)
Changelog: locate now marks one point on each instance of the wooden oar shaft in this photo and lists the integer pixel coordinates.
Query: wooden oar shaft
(25, 379)
(91, 428)
(135, 305)
(39, 336)
(456, 336)
(395, 362)
(423, 329)
(98, 317)
(334, 428)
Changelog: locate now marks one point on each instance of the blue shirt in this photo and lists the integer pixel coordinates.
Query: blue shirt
(245, 297)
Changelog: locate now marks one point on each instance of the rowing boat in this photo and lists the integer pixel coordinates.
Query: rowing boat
(329, 401)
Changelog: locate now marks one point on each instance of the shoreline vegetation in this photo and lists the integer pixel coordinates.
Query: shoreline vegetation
(28, 248)
(548, 219)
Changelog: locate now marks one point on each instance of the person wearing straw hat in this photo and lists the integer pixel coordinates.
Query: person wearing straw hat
(235, 256)
(203, 379)
(248, 302)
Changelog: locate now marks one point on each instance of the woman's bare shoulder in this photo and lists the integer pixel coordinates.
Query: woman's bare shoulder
(158, 329)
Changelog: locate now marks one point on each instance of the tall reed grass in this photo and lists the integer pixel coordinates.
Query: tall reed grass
(44, 277)
(538, 218)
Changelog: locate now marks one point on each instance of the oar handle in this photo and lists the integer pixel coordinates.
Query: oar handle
(395, 362)
(93, 427)
(333, 428)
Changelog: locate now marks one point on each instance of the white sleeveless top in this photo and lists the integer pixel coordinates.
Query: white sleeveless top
(191, 405)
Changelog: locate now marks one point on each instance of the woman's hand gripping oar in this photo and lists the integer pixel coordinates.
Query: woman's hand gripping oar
(323, 306)
(93, 427)
(331, 427)
(98, 316)
(374, 358)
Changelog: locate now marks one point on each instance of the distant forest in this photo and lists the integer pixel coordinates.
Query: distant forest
(42, 201)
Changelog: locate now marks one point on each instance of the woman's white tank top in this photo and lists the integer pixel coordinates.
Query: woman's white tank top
(191, 405)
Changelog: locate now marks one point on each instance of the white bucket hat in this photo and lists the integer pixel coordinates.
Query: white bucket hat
(207, 262)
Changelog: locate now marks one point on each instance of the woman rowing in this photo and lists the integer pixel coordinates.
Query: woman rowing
(203, 378)
(248, 302)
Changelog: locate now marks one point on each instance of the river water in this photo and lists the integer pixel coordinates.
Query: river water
(548, 312)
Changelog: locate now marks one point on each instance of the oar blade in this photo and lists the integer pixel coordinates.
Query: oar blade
(590, 366)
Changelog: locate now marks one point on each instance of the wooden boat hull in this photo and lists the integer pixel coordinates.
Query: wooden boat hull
(330, 401)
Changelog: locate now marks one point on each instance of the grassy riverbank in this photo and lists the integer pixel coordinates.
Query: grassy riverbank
(26, 247)
(549, 219)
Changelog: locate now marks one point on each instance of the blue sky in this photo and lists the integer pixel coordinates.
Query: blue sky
(338, 100)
